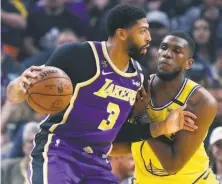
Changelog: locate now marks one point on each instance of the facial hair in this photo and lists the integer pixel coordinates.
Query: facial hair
(168, 76)
(134, 51)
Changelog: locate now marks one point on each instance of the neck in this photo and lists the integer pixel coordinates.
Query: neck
(219, 168)
(118, 54)
(169, 86)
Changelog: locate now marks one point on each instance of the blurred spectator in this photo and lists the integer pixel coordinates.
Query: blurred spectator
(204, 53)
(79, 8)
(150, 60)
(138, 3)
(8, 64)
(215, 152)
(155, 4)
(9, 71)
(217, 68)
(217, 93)
(45, 23)
(98, 12)
(159, 25)
(186, 20)
(123, 167)
(13, 119)
(15, 114)
(66, 36)
(13, 17)
(204, 39)
(13, 171)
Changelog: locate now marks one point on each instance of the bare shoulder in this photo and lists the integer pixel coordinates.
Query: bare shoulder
(201, 98)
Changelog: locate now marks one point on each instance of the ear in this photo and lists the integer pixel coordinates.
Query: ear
(189, 64)
(122, 34)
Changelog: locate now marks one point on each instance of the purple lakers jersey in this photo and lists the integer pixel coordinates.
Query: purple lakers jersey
(100, 105)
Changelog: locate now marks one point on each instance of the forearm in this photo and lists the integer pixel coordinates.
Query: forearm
(136, 132)
(133, 133)
(166, 154)
(14, 92)
(4, 17)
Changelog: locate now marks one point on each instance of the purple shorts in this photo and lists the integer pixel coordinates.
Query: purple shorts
(55, 162)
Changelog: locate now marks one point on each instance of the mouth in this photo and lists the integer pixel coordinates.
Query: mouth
(164, 62)
(144, 49)
(147, 45)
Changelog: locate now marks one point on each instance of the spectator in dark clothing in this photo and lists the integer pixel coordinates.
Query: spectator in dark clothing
(66, 36)
(13, 17)
(46, 22)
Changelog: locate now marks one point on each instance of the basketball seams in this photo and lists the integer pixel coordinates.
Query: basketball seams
(48, 79)
(40, 105)
(50, 94)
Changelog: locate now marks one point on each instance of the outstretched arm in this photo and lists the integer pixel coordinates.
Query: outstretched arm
(174, 157)
(67, 58)
(144, 129)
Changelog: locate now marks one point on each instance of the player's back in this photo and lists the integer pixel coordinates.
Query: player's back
(100, 105)
(149, 168)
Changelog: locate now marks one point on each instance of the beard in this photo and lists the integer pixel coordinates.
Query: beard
(135, 51)
(168, 76)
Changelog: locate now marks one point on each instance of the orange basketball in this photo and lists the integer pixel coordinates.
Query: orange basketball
(50, 92)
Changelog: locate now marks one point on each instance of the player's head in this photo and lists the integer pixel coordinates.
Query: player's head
(175, 55)
(129, 25)
(123, 166)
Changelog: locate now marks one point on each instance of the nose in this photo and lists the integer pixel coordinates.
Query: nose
(148, 37)
(167, 53)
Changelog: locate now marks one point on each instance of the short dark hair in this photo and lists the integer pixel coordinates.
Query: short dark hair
(186, 37)
(123, 16)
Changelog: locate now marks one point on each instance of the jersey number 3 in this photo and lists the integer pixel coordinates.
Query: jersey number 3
(113, 110)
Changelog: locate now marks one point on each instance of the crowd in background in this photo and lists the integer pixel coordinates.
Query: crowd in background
(32, 29)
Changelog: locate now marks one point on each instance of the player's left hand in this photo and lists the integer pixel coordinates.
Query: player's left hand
(179, 119)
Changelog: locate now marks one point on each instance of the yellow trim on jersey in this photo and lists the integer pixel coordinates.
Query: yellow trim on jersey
(191, 86)
(148, 167)
(78, 86)
(20, 7)
(45, 156)
(110, 149)
(105, 52)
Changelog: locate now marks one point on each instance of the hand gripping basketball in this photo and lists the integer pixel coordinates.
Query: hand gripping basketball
(48, 90)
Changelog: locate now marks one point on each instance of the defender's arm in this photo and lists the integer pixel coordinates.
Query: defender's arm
(174, 157)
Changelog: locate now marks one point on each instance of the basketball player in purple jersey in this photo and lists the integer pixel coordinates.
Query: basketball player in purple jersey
(72, 145)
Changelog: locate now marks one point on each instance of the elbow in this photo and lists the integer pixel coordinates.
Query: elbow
(173, 168)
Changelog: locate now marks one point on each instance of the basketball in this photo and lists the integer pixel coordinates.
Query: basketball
(50, 92)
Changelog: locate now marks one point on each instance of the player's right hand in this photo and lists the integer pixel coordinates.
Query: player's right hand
(29, 73)
(179, 119)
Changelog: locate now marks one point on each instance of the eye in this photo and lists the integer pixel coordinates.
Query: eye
(178, 51)
(143, 31)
